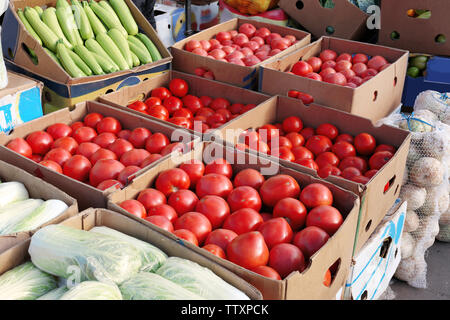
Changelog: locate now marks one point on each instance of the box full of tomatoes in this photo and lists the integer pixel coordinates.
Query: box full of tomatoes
(232, 51)
(91, 150)
(264, 222)
(363, 79)
(339, 147)
(180, 99)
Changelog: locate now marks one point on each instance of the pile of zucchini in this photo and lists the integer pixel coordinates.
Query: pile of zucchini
(90, 38)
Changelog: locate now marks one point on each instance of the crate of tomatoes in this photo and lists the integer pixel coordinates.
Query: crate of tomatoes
(355, 77)
(285, 232)
(91, 150)
(339, 147)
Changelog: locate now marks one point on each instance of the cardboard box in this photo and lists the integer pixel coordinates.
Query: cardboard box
(20, 101)
(375, 265)
(87, 195)
(240, 76)
(345, 20)
(197, 86)
(437, 78)
(305, 285)
(375, 201)
(37, 189)
(374, 100)
(415, 34)
(60, 89)
(91, 217)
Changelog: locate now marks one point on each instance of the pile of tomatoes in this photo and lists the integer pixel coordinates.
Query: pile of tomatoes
(175, 105)
(97, 150)
(324, 149)
(246, 46)
(344, 69)
(269, 225)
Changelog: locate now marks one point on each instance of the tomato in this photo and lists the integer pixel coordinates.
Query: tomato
(365, 143)
(36, 158)
(150, 159)
(307, 133)
(314, 76)
(306, 98)
(344, 57)
(40, 142)
(139, 136)
(127, 174)
(275, 231)
(301, 152)
(248, 29)
(51, 165)
(302, 68)
(161, 92)
(329, 64)
(260, 41)
(159, 112)
(178, 87)
(192, 44)
(343, 149)
(183, 201)
(173, 147)
(315, 63)
(286, 258)
(76, 125)
(172, 104)
(280, 44)
(223, 35)
(77, 167)
(156, 142)
(318, 144)
(360, 58)
(109, 183)
(138, 106)
(316, 194)
(356, 162)
(105, 169)
(161, 222)
(359, 68)
(109, 124)
(102, 154)
(151, 198)
(292, 210)
(348, 74)
(213, 184)
(243, 221)
(309, 163)
(336, 78)
(87, 149)
(370, 173)
(248, 250)
(344, 137)
(285, 142)
(327, 158)
(267, 272)
(219, 166)
(283, 153)
(84, 134)
(59, 155)
(262, 32)
(360, 179)
(215, 208)
(327, 130)
(310, 239)
(192, 102)
(292, 124)
(187, 235)
(215, 250)
(120, 146)
(172, 180)
(221, 238)
(328, 170)
(325, 217)
(181, 121)
(343, 65)
(104, 139)
(124, 134)
(326, 72)
(206, 45)
(248, 177)
(134, 157)
(327, 55)
(219, 103)
(376, 62)
(59, 130)
(134, 207)
(195, 222)
(244, 197)
(268, 132)
(350, 172)
(68, 143)
(385, 147)
(278, 187)
(195, 170)
(379, 159)
(20, 146)
(91, 119)
(165, 211)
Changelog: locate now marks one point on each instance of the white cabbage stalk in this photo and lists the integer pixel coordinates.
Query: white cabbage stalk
(68, 252)
(152, 257)
(46, 212)
(14, 213)
(12, 191)
(55, 294)
(93, 290)
(150, 286)
(25, 282)
(199, 280)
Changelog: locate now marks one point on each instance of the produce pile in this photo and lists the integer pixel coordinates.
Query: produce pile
(90, 38)
(325, 149)
(19, 212)
(269, 225)
(176, 105)
(96, 151)
(417, 66)
(113, 265)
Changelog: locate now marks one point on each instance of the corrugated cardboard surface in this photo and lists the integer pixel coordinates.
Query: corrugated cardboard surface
(416, 35)
(197, 86)
(18, 82)
(374, 99)
(305, 285)
(374, 201)
(90, 218)
(37, 189)
(87, 195)
(348, 21)
(240, 76)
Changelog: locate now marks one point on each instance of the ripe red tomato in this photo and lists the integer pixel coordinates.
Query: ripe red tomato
(103, 170)
(223, 35)
(262, 32)
(309, 163)
(267, 272)
(310, 240)
(172, 104)
(134, 157)
(326, 72)
(20, 146)
(248, 29)
(360, 58)
(280, 44)
(159, 112)
(192, 44)
(127, 174)
(385, 147)
(151, 198)
(219, 103)
(301, 152)
(84, 134)
(359, 68)
(215, 250)
(119, 147)
(59, 155)
(244, 197)
(183, 201)
(161, 221)
(248, 250)
(343, 65)
(350, 172)
(360, 179)
(307, 133)
(138, 137)
(104, 139)
(343, 149)
(153, 101)
(278, 187)
(286, 142)
(178, 87)
(327, 55)
(215, 208)
(68, 143)
(292, 124)
(195, 170)
(314, 76)
(77, 167)
(76, 125)
(376, 62)
(325, 217)
(186, 235)
(36, 158)
(315, 63)
(195, 222)
(173, 147)
(327, 158)
(344, 137)
(51, 165)
(327, 130)
(40, 142)
(329, 64)
(165, 211)
(268, 132)
(219, 166)
(87, 149)
(349, 74)
(318, 144)
(124, 134)
(365, 144)
(206, 45)
(156, 142)
(181, 121)
(109, 124)
(275, 231)
(134, 207)
(286, 258)
(109, 183)
(243, 221)
(91, 119)
(306, 98)
(172, 180)
(336, 78)
(161, 93)
(138, 106)
(59, 130)
(221, 238)
(292, 210)
(193, 103)
(316, 194)
(370, 173)
(344, 57)
(248, 177)
(150, 159)
(356, 162)
(283, 153)
(379, 159)
(328, 170)
(302, 68)
(213, 184)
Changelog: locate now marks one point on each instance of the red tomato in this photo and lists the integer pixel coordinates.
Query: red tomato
(292, 210)
(283, 153)
(344, 57)
(109, 124)
(328, 170)
(68, 143)
(221, 238)
(195, 222)
(219, 103)
(173, 147)
(385, 147)
(165, 211)
(292, 124)
(20, 146)
(306, 98)
(159, 112)
(260, 41)
(124, 134)
(205, 112)
(359, 68)
(76, 125)
(360, 179)
(215, 250)
(134, 207)
(318, 144)
(59, 155)
(315, 63)
(52, 165)
(103, 170)
(195, 170)
(244, 197)
(172, 104)
(161, 222)
(327, 158)
(370, 173)
(150, 159)
(326, 72)
(379, 159)
(161, 93)
(219, 166)
(138, 106)
(59, 130)
(181, 121)
(87, 149)
(153, 101)
(285, 142)
(349, 74)
(316, 194)
(286, 258)
(109, 183)
(240, 39)
(84, 134)
(262, 32)
(120, 146)
(243, 221)
(314, 76)
(360, 58)
(156, 142)
(192, 102)
(192, 44)
(206, 45)
(325, 217)
(213, 184)
(336, 78)
(249, 177)
(343, 65)
(302, 68)
(356, 162)
(344, 137)
(206, 101)
(327, 130)
(91, 119)
(365, 144)
(104, 139)
(296, 139)
(127, 174)
(172, 180)
(215, 208)
(343, 149)
(248, 250)
(40, 142)
(329, 64)
(280, 44)
(138, 137)
(309, 163)
(275, 231)
(310, 239)
(267, 272)
(268, 132)
(223, 35)
(183, 201)
(134, 157)
(278, 187)
(178, 87)
(186, 235)
(77, 167)
(301, 152)
(350, 172)
(327, 55)
(36, 158)
(248, 29)
(376, 62)
(151, 198)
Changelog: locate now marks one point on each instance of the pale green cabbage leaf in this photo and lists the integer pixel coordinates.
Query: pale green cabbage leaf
(93, 290)
(13, 213)
(12, 191)
(55, 294)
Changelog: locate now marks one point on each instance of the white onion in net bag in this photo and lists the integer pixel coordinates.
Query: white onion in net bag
(434, 101)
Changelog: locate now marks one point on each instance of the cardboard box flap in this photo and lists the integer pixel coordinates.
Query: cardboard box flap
(17, 83)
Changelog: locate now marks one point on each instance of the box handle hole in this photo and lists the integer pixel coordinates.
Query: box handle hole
(375, 95)
(364, 295)
(10, 53)
(385, 247)
(368, 225)
(327, 4)
(31, 54)
(395, 81)
(300, 5)
(330, 30)
(440, 38)
(389, 185)
(395, 35)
